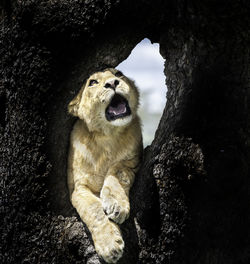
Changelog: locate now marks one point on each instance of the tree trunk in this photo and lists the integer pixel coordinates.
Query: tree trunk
(191, 196)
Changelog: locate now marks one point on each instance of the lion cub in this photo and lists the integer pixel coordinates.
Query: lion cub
(105, 151)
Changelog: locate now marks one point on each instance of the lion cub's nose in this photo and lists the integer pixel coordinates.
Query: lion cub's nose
(111, 84)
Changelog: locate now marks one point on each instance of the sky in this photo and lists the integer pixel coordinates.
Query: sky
(145, 66)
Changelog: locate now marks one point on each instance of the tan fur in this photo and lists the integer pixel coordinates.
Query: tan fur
(103, 158)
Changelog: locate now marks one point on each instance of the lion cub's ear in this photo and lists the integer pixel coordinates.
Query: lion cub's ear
(73, 106)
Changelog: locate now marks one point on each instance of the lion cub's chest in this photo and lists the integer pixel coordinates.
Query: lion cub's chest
(104, 154)
(93, 157)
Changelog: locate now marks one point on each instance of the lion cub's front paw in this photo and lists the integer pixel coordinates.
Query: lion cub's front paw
(115, 205)
(109, 243)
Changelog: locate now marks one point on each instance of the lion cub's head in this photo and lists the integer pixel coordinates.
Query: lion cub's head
(108, 98)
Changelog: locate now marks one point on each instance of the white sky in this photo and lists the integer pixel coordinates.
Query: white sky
(145, 66)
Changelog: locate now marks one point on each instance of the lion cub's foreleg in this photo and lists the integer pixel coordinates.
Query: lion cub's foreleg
(115, 192)
(105, 234)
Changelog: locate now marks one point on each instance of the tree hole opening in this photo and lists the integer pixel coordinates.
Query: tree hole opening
(145, 66)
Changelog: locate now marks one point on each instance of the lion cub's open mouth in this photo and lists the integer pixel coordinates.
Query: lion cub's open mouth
(117, 108)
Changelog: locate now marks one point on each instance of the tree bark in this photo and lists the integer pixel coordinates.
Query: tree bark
(205, 208)
(191, 196)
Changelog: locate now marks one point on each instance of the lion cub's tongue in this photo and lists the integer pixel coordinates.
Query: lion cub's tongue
(118, 109)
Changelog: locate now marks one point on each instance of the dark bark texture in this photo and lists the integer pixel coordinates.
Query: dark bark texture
(191, 198)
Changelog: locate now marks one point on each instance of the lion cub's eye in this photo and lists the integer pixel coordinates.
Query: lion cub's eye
(92, 82)
(118, 74)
